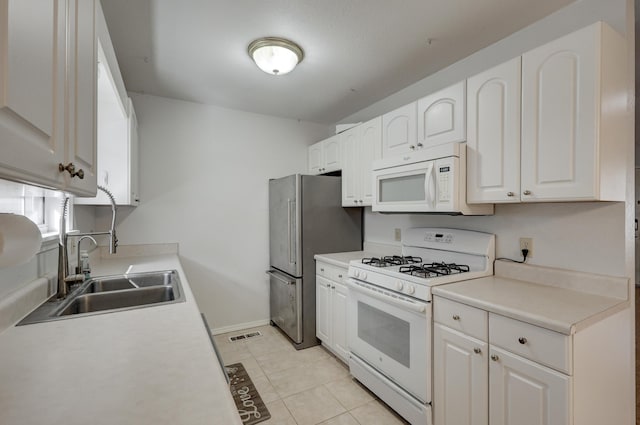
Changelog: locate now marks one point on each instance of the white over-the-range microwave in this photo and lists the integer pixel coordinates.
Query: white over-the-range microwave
(432, 180)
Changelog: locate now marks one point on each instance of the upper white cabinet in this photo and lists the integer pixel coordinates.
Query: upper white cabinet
(573, 113)
(441, 116)
(117, 129)
(82, 113)
(493, 134)
(361, 145)
(46, 51)
(325, 156)
(399, 131)
(567, 141)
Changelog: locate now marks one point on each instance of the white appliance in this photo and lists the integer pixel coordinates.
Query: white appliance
(431, 180)
(390, 313)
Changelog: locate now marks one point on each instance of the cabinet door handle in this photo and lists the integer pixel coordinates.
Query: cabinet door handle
(71, 169)
(333, 287)
(340, 276)
(477, 350)
(495, 358)
(419, 145)
(321, 269)
(511, 194)
(411, 147)
(522, 340)
(456, 317)
(328, 285)
(527, 192)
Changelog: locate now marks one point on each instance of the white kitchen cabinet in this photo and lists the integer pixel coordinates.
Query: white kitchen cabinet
(361, 145)
(461, 377)
(522, 392)
(573, 114)
(441, 116)
(548, 126)
(117, 150)
(117, 130)
(493, 134)
(323, 309)
(325, 156)
(81, 143)
(331, 308)
(399, 131)
(32, 76)
(499, 379)
(509, 372)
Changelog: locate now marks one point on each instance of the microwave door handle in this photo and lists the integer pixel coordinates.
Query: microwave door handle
(429, 185)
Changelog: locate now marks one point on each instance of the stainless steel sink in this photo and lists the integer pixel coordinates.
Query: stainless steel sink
(110, 294)
(89, 303)
(130, 281)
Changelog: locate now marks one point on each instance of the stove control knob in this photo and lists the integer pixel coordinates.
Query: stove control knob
(363, 275)
(411, 289)
(356, 273)
(399, 285)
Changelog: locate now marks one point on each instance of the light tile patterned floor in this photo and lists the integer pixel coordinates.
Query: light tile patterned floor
(305, 387)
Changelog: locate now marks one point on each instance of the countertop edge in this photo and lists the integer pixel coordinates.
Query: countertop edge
(531, 318)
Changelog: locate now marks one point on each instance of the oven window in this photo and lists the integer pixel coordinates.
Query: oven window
(402, 189)
(385, 332)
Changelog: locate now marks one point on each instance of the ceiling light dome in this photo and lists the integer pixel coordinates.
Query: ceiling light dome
(274, 55)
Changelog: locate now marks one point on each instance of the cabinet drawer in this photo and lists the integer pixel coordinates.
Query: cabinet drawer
(331, 272)
(541, 345)
(469, 320)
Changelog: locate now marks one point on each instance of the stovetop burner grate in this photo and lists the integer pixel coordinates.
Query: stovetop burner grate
(434, 269)
(391, 260)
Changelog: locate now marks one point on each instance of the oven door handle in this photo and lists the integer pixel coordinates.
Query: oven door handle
(416, 307)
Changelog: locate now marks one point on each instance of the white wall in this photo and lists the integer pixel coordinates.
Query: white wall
(577, 15)
(203, 183)
(578, 236)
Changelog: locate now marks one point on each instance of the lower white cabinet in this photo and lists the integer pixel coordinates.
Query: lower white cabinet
(331, 309)
(495, 370)
(522, 392)
(460, 378)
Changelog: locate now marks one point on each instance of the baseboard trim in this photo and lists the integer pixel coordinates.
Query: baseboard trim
(239, 327)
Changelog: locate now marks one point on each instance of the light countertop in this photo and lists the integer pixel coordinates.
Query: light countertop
(152, 365)
(342, 259)
(558, 300)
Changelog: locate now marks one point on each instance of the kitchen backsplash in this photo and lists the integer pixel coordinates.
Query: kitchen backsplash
(583, 236)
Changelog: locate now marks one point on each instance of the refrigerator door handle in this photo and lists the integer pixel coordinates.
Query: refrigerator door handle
(290, 231)
(279, 277)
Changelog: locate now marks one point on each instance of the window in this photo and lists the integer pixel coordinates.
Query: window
(42, 206)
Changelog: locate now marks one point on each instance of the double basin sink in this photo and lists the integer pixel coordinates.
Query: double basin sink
(110, 294)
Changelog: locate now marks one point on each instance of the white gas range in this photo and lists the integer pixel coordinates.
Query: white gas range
(390, 313)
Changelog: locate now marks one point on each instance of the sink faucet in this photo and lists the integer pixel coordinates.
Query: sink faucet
(63, 258)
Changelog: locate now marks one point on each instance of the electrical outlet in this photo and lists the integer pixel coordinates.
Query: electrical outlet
(397, 235)
(527, 243)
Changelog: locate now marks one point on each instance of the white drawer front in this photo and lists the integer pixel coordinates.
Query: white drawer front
(461, 317)
(331, 272)
(541, 345)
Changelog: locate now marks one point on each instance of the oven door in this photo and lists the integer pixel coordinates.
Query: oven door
(392, 334)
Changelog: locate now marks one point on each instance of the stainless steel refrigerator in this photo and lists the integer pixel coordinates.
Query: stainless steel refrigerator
(305, 218)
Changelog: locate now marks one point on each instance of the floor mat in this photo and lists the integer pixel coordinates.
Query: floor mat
(248, 402)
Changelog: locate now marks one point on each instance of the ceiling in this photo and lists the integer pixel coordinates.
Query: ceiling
(356, 51)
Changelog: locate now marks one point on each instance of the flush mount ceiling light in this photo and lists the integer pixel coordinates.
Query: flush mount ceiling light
(274, 55)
